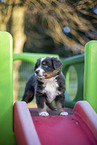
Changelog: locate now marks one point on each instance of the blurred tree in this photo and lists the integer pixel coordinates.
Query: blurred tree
(17, 30)
(5, 13)
(52, 26)
(60, 25)
(12, 20)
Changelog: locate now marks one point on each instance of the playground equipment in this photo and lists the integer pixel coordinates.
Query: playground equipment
(22, 126)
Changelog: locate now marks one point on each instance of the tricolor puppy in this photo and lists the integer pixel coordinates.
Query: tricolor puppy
(47, 84)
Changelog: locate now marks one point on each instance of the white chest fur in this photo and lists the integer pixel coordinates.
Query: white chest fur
(50, 88)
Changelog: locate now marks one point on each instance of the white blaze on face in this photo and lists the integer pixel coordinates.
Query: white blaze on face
(41, 71)
(42, 59)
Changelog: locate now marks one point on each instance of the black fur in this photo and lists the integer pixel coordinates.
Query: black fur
(35, 84)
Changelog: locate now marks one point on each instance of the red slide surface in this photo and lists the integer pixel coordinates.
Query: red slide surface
(80, 127)
(60, 130)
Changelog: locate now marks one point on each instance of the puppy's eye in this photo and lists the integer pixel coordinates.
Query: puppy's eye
(44, 63)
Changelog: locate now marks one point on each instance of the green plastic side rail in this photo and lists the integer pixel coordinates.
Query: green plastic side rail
(31, 57)
(7, 136)
(78, 63)
(73, 60)
(90, 83)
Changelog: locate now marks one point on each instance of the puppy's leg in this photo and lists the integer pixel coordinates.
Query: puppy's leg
(40, 100)
(51, 106)
(60, 105)
(29, 90)
(43, 112)
(28, 96)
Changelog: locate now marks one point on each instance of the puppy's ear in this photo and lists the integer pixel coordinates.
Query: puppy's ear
(56, 63)
(37, 64)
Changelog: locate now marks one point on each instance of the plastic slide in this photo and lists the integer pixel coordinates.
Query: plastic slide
(22, 126)
(79, 127)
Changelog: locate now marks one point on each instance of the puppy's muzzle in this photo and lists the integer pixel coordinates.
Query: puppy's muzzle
(37, 72)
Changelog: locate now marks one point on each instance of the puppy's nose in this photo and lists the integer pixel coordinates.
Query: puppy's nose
(37, 71)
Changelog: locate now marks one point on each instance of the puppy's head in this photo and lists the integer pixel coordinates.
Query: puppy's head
(47, 67)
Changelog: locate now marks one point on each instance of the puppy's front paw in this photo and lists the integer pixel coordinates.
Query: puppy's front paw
(43, 114)
(64, 113)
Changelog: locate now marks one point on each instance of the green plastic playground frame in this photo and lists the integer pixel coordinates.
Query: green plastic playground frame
(7, 136)
(31, 57)
(87, 62)
(90, 81)
(78, 63)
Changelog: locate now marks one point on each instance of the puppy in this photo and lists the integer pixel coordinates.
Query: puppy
(47, 84)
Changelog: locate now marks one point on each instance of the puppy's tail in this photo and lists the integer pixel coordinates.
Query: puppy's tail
(28, 97)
